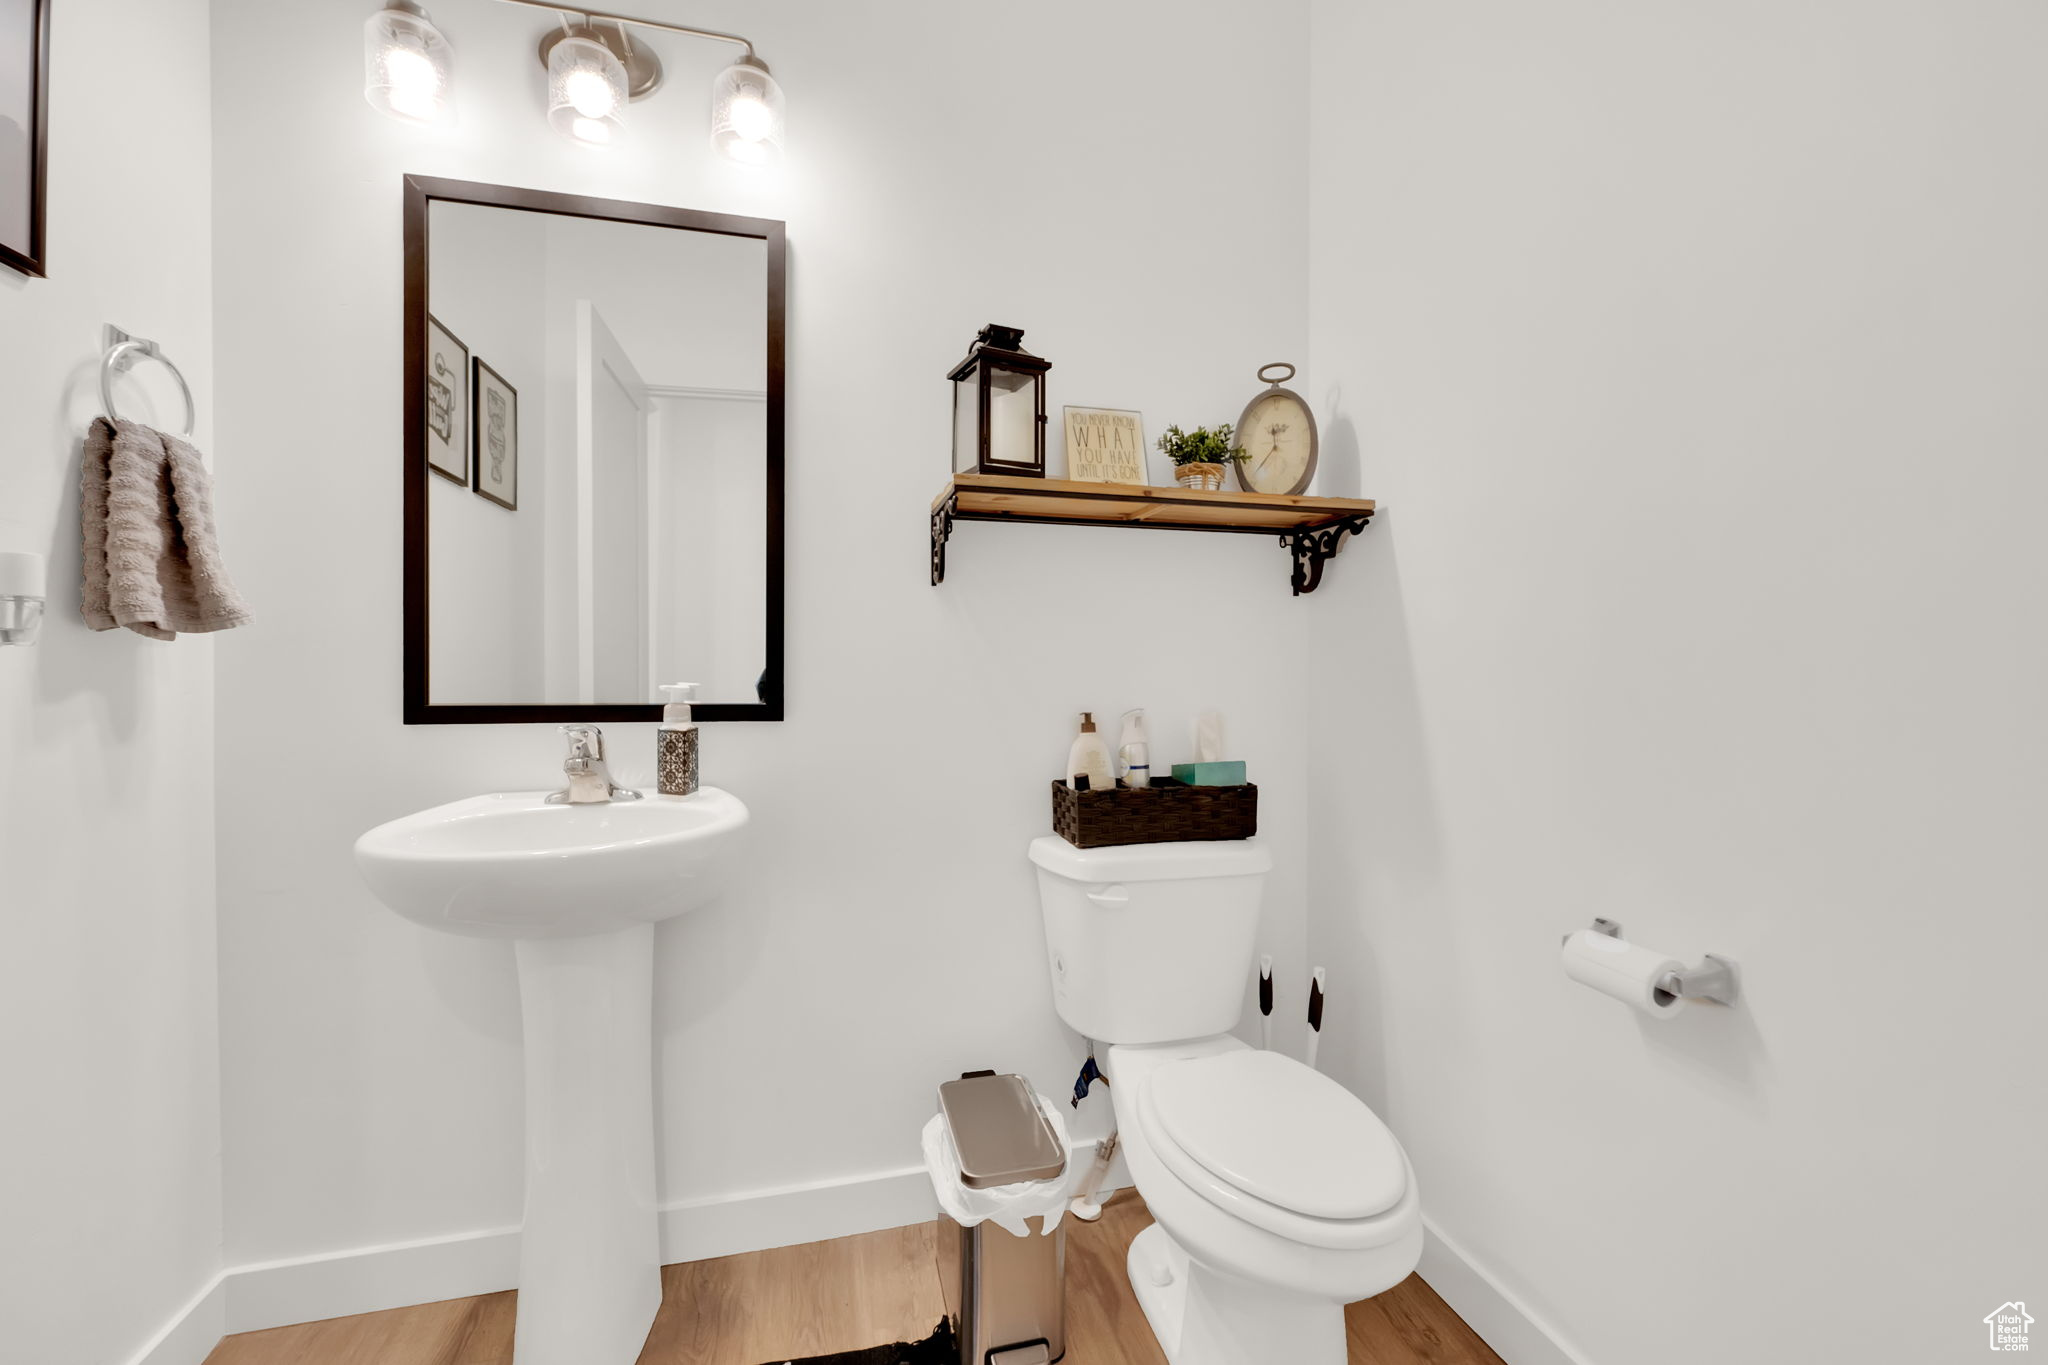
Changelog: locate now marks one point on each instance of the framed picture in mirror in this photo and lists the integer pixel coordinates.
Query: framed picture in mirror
(496, 424)
(24, 132)
(594, 491)
(447, 408)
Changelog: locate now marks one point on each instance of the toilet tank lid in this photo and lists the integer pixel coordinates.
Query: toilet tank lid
(1151, 862)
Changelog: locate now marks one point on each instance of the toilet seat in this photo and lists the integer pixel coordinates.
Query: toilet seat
(1278, 1145)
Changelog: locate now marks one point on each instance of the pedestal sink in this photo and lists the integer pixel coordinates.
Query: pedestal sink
(579, 889)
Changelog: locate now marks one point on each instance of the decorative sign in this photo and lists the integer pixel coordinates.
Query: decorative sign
(447, 414)
(1105, 445)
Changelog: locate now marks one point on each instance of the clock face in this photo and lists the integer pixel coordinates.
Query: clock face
(1278, 434)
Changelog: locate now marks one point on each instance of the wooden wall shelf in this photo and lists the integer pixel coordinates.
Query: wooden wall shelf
(1312, 529)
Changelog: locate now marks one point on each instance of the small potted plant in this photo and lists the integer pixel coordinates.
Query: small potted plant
(1199, 456)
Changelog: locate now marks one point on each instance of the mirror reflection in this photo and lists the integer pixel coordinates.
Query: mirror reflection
(596, 432)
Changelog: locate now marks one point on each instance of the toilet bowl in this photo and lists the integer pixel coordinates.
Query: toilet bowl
(1277, 1198)
(1277, 1195)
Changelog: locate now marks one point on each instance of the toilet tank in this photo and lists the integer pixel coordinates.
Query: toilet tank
(1150, 943)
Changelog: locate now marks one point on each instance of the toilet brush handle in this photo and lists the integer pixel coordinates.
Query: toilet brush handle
(1315, 1014)
(1266, 1002)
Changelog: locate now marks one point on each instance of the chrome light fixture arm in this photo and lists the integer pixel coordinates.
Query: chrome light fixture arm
(623, 19)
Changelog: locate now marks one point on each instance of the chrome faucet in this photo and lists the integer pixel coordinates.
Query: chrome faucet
(590, 780)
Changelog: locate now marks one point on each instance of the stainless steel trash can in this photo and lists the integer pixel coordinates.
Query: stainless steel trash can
(1005, 1294)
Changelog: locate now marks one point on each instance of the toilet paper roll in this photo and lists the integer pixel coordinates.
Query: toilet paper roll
(1616, 967)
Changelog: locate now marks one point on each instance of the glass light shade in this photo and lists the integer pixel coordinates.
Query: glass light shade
(746, 114)
(21, 620)
(405, 66)
(586, 90)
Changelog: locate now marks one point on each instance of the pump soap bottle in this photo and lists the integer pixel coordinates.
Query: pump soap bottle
(676, 743)
(1089, 758)
(1134, 752)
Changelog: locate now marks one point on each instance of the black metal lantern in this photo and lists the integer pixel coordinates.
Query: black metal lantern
(999, 406)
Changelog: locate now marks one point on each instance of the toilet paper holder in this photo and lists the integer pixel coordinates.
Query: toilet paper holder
(1713, 979)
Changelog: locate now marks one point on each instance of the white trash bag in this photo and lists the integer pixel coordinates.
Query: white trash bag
(1007, 1205)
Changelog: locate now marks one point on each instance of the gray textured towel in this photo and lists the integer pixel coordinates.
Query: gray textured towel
(152, 560)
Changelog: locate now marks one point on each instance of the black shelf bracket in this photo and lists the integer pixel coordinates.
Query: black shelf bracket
(942, 531)
(1312, 547)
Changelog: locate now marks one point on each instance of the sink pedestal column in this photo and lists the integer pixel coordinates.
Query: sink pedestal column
(590, 1254)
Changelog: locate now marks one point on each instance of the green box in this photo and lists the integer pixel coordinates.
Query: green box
(1229, 773)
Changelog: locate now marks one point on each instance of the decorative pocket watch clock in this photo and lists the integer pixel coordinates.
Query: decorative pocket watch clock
(1278, 434)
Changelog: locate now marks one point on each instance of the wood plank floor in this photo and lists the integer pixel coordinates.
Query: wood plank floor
(840, 1296)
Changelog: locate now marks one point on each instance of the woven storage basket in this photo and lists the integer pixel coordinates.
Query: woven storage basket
(1166, 812)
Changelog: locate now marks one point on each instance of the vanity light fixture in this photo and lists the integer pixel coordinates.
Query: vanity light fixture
(746, 113)
(405, 64)
(586, 84)
(594, 70)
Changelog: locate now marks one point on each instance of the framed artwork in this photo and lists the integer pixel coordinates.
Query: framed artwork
(494, 426)
(447, 414)
(1105, 445)
(24, 132)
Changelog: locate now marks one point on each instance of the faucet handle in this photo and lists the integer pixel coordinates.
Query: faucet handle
(585, 741)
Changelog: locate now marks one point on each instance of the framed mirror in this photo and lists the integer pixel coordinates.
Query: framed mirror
(593, 457)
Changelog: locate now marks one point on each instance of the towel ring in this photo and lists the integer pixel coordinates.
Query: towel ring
(123, 351)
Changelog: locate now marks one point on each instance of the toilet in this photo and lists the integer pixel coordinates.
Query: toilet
(1277, 1195)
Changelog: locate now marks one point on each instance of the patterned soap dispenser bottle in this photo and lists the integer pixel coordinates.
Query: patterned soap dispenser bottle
(676, 744)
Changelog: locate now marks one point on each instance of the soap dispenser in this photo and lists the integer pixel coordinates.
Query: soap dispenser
(1089, 758)
(676, 743)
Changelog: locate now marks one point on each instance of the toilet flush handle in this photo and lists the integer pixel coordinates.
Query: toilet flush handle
(1109, 896)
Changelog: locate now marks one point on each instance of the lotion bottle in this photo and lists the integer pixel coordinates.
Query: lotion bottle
(676, 742)
(1089, 757)
(1134, 751)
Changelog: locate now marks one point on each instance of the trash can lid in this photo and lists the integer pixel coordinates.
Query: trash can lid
(998, 1131)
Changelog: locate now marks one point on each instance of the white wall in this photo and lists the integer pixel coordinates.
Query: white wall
(1696, 352)
(889, 936)
(484, 572)
(687, 306)
(710, 570)
(109, 1145)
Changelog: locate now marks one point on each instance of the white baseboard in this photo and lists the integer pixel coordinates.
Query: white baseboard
(1515, 1332)
(190, 1336)
(724, 1225)
(249, 1298)
(370, 1279)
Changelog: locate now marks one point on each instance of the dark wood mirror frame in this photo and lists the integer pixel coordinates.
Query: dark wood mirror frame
(420, 193)
(32, 256)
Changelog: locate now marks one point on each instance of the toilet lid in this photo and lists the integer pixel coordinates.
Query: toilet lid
(1279, 1131)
